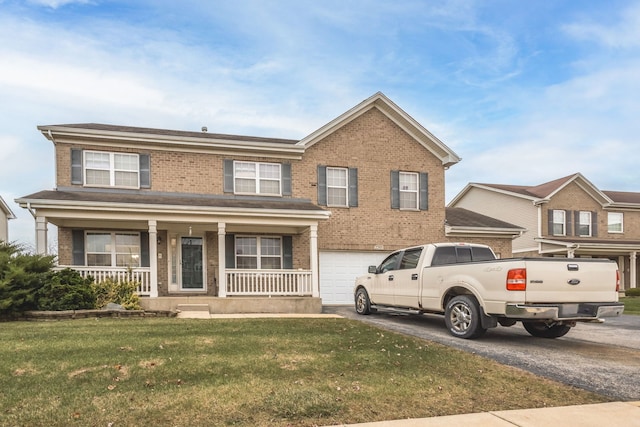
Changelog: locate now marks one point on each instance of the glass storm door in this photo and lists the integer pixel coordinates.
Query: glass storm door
(192, 272)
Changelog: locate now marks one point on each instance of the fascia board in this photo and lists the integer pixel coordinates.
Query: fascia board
(588, 188)
(505, 192)
(7, 210)
(483, 230)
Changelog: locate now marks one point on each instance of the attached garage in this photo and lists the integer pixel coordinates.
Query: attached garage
(338, 272)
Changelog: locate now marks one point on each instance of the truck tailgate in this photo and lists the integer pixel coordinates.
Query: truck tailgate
(571, 280)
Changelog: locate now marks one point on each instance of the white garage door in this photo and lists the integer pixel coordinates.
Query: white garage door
(338, 272)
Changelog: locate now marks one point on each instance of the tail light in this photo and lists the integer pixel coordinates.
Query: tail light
(517, 279)
(617, 280)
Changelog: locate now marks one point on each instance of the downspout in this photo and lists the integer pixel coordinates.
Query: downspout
(55, 163)
(33, 214)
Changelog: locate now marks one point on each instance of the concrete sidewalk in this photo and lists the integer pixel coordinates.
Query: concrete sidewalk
(625, 414)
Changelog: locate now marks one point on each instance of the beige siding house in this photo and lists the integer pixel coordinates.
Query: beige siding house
(568, 216)
(5, 215)
(238, 223)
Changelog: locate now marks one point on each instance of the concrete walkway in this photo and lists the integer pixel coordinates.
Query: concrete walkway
(625, 414)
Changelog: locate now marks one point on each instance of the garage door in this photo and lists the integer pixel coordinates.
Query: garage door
(338, 272)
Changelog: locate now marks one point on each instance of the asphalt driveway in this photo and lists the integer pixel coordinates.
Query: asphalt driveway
(603, 358)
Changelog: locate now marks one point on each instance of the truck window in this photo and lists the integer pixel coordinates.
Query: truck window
(482, 254)
(390, 263)
(464, 254)
(410, 259)
(444, 255)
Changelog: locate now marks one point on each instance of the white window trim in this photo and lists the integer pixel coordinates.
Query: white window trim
(257, 179)
(345, 187)
(581, 224)
(564, 223)
(258, 254)
(112, 169)
(114, 254)
(621, 222)
(416, 191)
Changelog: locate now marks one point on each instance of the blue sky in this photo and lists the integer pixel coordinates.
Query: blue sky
(524, 91)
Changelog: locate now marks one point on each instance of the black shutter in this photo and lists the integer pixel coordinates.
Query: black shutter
(230, 250)
(76, 166)
(77, 246)
(322, 185)
(144, 249)
(287, 252)
(286, 179)
(353, 187)
(568, 226)
(424, 191)
(395, 189)
(145, 170)
(576, 223)
(228, 176)
(550, 221)
(594, 224)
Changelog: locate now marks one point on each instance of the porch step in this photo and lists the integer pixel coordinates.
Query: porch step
(193, 311)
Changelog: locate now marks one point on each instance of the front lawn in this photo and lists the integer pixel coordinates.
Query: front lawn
(248, 372)
(631, 305)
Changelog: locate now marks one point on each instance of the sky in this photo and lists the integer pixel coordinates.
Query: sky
(524, 91)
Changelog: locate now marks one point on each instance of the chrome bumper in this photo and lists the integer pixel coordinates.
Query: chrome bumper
(576, 312)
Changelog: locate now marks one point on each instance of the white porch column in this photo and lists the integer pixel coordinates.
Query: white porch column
(153, 257)
(313, 252)
(633, 273)
(41, 235)
(222, 259)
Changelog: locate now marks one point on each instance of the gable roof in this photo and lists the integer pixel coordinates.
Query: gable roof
(5, 208)
(395, 114)
(543, 192)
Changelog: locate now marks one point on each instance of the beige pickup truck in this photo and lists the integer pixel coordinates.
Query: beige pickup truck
(476, 291)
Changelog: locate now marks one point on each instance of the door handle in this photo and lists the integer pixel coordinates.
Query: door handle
(414, 276)
(391, 277)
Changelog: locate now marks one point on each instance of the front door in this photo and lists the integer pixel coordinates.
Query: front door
(192, 262)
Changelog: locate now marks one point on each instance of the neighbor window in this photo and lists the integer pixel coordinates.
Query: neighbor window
(408, 190)
(584, 226)
(337, 186)
(257, 178)
(259, 252)
(615, 222)
(111, 169)
(559, 221)
(112, 249)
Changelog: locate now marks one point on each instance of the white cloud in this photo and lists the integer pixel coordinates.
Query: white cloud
(625, 33)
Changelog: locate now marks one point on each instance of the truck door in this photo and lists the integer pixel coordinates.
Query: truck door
(383, 289)
(407, 279)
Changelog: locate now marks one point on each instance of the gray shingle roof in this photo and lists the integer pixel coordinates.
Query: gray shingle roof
(460, 217)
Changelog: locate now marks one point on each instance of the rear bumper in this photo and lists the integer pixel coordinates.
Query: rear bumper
(588, 312)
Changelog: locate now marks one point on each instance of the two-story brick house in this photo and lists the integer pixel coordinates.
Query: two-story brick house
(248, 223)
(568, 216)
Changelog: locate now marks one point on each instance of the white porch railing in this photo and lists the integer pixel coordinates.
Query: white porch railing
(269, 282)
(141, 275)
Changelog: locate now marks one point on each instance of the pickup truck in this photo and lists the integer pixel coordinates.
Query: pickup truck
(475, 291)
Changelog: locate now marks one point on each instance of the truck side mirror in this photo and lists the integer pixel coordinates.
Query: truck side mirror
(373, 269)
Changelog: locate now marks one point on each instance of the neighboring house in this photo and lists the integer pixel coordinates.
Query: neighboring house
(5, 215)
(565, 217)
(246, 223)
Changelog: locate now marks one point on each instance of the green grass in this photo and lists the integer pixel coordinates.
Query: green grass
(631, 305)
(248, 372)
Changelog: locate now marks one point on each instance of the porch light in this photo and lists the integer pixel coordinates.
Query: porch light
(173, 242)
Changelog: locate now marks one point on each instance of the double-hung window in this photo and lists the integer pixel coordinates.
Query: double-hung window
(103, 169)
(258, 252)
(615, 222)
(337, 186)
(559, 223)
(584, 225)
(108, 249)
(257, 178)
(409, 190)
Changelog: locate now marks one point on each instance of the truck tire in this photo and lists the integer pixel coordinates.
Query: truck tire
(363, 304)
(543, 330)
(462, 317)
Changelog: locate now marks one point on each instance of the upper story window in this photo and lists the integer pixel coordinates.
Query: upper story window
(257, 178)
(110, 169)
(409, 190)
(112, 249)
(584, 224)
(337, 187)
(559, 223)
(615, 222)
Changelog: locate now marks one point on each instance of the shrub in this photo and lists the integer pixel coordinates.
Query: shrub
(633, 292)
(119, 292)
(21, 277)
(66, 290)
